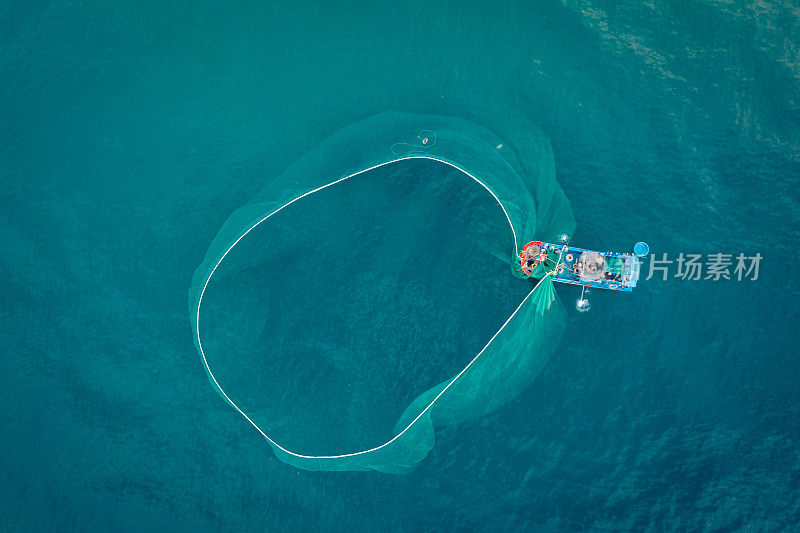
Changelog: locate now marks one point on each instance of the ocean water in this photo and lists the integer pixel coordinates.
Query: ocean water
(131, 131)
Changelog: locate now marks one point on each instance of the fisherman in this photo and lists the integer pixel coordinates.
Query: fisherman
(542, 256)
(532, 254)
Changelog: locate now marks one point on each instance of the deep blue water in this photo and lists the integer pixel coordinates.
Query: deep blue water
(129, 132)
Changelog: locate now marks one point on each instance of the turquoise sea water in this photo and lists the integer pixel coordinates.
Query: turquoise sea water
(130, 132)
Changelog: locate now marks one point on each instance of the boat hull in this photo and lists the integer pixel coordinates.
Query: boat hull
(587, 268)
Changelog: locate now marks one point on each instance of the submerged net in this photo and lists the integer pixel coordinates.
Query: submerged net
(347, 320)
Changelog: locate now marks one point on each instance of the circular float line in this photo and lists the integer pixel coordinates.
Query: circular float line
(452, 381)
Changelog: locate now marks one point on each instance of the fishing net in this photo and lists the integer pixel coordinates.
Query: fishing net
(363, 299)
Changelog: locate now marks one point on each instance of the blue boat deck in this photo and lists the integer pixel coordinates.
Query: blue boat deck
(601, 270)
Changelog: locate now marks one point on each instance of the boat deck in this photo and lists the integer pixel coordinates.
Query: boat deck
(578, 266)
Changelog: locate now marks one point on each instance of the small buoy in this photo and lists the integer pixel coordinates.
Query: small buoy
(583, 305)
(641, 249)
(499, 146)
(425, 140)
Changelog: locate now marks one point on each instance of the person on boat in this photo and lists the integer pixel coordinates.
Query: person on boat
(535, 261)
(532, 256)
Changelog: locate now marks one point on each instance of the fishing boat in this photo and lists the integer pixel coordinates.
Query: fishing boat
(578, 266)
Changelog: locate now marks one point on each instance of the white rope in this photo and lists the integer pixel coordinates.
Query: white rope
(208, 279)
